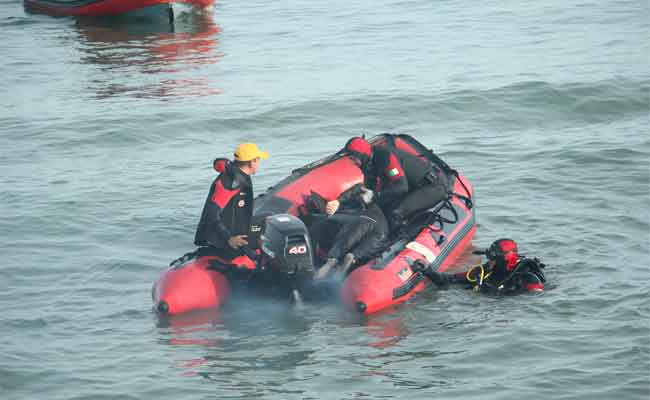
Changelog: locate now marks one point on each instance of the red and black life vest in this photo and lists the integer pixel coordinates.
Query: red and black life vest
(228, 209)
(398, 172)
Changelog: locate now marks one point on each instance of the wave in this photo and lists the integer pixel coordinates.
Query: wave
(516, 107)
(513, 107)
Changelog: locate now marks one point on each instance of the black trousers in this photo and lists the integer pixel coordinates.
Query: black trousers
(362, 234)
(362, 239)
(420, 199)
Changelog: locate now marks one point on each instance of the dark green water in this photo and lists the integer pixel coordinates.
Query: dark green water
(108, 132)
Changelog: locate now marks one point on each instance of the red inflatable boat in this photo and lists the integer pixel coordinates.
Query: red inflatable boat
(434, 239)
(99, 8)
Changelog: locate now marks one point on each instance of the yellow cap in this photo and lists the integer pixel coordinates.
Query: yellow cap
(249, 151)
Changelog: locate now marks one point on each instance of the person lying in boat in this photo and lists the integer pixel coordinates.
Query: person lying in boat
(226, 217)
(403, 183)
(355, 230)
(505, 272)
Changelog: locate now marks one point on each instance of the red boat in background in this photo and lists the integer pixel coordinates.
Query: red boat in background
(432, 240)
(101, 8)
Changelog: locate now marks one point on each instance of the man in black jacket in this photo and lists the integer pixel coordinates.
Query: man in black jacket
(226, 218)
(404, 183)
(357, 227)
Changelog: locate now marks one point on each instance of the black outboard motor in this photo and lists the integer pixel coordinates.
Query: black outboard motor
(285, 241)
(287, 262)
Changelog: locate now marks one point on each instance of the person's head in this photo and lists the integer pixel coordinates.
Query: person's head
(359, 149)
(248, 156)
(503, 254)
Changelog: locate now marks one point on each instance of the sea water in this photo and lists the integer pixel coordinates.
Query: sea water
(109, 128)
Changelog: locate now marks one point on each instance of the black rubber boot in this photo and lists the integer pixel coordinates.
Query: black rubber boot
(324, 270)
(397, 221)
(347, 264)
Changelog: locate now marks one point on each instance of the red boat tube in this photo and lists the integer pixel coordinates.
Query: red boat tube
(190, 285)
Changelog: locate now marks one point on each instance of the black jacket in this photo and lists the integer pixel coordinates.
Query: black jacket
(397, 173)
(228, 209)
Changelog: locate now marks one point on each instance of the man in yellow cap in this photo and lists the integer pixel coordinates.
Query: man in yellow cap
(226, 218)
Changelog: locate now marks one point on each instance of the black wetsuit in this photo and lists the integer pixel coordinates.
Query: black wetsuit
(227, 212)
(526, 276)
(355, 228)
(406, 183)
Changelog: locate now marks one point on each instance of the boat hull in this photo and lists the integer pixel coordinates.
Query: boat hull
(396, 276)
(100, 8)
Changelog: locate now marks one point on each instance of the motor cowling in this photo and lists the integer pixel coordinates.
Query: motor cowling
(286, 246)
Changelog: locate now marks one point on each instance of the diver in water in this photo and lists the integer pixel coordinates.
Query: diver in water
(226, 218)
(505, 272)
(403, 182)
(355, 230)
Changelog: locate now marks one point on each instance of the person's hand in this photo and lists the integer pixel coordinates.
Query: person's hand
(331, 207)
(436, 277)
(237, 241)
(367, 195)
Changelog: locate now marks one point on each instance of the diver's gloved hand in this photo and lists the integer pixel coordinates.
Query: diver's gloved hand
(437, 278)
(367, 195)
